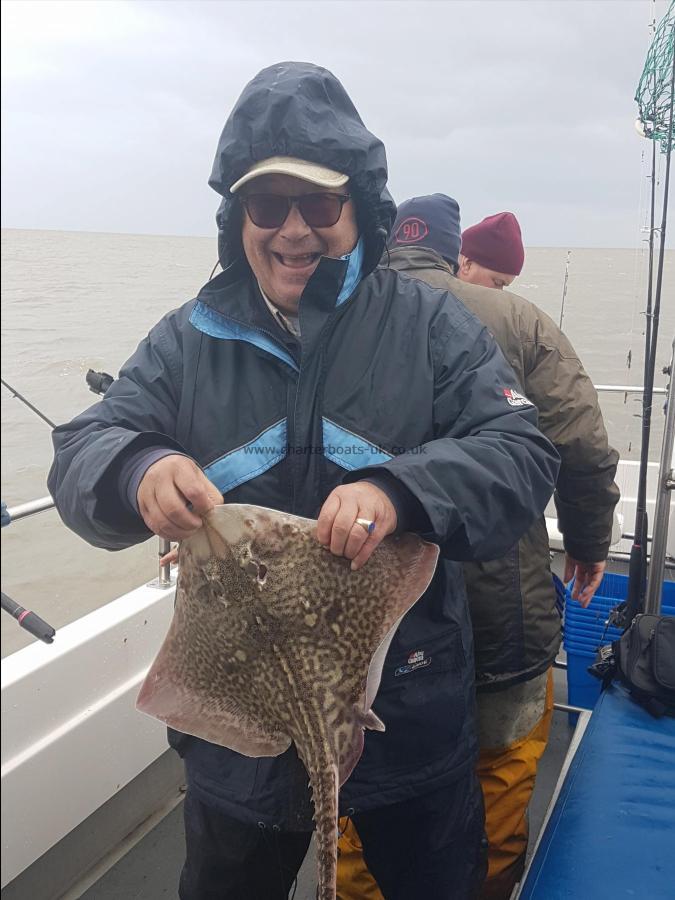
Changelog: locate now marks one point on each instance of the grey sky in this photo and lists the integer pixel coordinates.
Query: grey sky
(112, 110)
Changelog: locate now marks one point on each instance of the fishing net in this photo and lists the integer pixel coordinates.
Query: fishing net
(654, 91)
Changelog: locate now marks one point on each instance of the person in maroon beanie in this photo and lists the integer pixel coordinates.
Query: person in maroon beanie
(492, 252)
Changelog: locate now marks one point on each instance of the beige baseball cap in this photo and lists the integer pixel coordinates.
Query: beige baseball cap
(298, 168)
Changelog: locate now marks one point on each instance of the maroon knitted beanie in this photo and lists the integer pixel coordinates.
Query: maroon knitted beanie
(496, 244)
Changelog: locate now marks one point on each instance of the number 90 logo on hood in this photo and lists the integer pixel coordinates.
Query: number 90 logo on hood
(411, 230)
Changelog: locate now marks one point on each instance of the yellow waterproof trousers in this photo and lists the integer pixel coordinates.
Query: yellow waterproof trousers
(354, 881)
(507, 776)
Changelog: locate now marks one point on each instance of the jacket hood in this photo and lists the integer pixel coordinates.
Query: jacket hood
(299, 109)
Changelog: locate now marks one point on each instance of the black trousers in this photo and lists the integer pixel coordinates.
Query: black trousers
(431, 847)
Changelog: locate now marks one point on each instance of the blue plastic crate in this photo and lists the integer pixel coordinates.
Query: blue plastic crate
(596, 624)
(581, 632)
(585, 630)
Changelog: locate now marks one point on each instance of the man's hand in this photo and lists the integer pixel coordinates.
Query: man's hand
(338, 529)
(587, 577)
(165, 491)
(170, 558)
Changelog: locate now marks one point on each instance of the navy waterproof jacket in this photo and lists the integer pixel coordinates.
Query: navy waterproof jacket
(391, 376)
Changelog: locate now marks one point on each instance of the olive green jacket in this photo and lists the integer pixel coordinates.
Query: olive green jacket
(512, 600)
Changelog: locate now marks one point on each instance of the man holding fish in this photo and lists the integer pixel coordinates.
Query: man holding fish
(306, 380)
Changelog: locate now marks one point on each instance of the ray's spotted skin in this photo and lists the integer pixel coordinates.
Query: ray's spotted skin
(275, 640)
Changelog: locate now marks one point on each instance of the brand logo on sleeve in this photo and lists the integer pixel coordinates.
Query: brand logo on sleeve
(513, 398)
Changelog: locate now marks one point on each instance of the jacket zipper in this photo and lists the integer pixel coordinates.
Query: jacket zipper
(292, 405)
(292, 400)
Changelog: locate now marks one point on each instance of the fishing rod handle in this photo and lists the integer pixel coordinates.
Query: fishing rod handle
(29, 620)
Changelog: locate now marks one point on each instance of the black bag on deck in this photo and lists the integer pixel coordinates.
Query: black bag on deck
(644, 660)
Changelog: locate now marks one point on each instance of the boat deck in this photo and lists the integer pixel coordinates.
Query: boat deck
(151, 869)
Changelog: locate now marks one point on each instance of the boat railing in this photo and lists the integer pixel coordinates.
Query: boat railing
(33, 507)
(626, 389)
(24, 510)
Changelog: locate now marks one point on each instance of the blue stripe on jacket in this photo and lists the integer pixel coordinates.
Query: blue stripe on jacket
(350, 450)
(249, 460)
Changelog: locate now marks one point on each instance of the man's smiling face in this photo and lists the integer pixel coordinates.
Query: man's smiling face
(284, 258)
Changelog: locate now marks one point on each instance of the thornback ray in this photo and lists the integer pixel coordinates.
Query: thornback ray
(274, 639)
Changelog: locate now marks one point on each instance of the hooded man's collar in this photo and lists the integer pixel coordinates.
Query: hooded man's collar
(236, 293)
(418, 258)
(353, 274)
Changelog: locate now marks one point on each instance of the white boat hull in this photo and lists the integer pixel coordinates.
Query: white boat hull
(71, 736)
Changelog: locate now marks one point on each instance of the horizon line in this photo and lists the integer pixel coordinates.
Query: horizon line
(214, 236)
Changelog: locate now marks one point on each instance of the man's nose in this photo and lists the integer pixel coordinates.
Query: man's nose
(294, 228)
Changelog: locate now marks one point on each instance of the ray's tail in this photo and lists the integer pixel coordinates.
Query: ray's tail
(323, 779)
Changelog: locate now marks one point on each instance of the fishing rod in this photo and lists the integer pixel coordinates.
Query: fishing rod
(29, 620)
(650, 273)
(564, 293)
(637, 566)
(30, 406)
(637, 571)
(98, 382)
(26, 618)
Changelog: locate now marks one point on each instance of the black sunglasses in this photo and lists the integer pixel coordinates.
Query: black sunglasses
(271, 210)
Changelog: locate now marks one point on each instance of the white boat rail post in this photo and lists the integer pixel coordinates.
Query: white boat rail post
(662, 510)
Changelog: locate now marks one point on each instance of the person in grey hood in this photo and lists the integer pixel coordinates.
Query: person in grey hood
(304, 379)
(512, 600)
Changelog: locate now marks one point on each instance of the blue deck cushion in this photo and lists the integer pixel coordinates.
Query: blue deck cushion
(611, 830)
